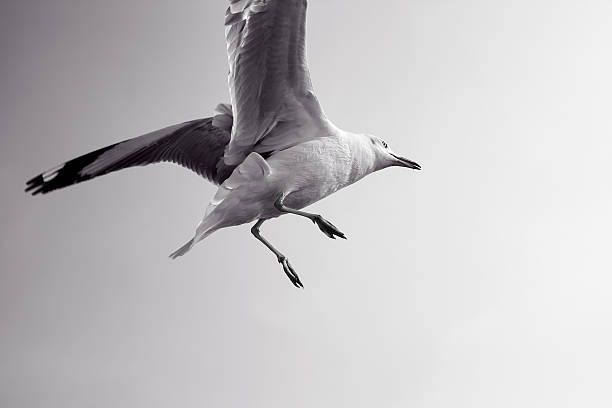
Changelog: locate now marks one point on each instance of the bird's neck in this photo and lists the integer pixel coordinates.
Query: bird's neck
(362, 157)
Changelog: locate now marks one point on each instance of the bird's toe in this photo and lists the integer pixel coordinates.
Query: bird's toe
(290, 272)
(328, 228)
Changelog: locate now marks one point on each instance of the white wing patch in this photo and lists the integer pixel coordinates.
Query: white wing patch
(52, 173)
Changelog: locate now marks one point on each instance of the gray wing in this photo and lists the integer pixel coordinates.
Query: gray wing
(197, 145)
(270, 86)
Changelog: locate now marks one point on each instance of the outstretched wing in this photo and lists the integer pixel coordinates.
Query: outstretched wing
(197, 145)
(270, 86)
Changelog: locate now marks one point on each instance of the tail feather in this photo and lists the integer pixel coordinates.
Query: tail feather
(254, 167)
(182, 250)
(206, 227)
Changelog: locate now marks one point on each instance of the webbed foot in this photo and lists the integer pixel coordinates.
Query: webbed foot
(327, 227)
(290, 272)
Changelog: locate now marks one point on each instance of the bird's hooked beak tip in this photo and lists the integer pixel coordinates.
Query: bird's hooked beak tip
(402, 161)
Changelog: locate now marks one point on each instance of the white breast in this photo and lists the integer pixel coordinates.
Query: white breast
(315, 169)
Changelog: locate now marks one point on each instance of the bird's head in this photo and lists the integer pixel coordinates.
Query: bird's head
(385, 157)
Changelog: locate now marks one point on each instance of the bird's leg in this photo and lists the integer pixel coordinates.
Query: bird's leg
(327, 227)
(282, 259)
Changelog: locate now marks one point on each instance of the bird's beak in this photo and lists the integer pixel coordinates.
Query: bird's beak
(402, 161)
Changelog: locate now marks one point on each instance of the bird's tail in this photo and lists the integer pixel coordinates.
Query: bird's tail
(182, 250)
(252, 168)
(209, 224)
(189, 244)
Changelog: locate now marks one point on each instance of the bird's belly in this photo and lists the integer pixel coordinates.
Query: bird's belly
(301, 175)
(300, 184)
(309, 194)
(304, 182)
(257, 200)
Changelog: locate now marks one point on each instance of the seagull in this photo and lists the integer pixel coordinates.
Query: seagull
(271, 151)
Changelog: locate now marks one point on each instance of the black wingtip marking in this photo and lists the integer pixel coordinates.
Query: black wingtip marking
(64, 175)
(35, 185)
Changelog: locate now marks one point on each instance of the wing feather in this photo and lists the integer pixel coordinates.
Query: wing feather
(197, 145)
(268, 79)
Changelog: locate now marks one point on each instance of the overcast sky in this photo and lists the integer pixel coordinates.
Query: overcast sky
(482, 281)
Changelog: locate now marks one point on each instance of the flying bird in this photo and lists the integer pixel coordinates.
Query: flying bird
(272, 150)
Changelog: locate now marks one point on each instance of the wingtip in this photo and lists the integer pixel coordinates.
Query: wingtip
(35, 185)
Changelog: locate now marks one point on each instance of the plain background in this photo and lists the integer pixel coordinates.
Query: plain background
(482, 281)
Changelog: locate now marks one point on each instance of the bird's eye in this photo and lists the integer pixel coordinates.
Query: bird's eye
(384, 143)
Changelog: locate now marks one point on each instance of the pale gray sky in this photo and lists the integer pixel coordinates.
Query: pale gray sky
(482, 281)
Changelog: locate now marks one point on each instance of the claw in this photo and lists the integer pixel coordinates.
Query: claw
(290, 272)
(328, 228)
